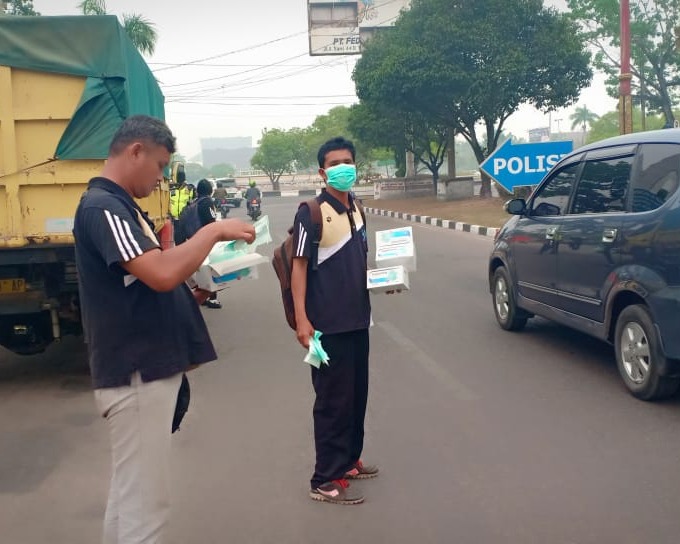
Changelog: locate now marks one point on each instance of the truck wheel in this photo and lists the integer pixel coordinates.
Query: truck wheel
(639, 356)
(508, 315)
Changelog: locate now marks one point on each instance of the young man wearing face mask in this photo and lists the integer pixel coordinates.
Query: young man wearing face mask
(332, 297)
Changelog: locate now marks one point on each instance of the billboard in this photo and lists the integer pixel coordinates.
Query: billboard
(541, 134)
(339, 27)
(334, 27)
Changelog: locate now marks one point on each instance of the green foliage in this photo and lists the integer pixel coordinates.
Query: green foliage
(18, 7)
(93, 7)
(655, 59)
(140, 30)
(337, 122)
(277, 153)
(582, 118)
(468, 66)
(607, 126)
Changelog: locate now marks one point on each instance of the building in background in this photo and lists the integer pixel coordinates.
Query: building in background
(543, 134)
(235, 151)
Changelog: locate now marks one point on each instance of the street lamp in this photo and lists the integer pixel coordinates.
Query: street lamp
(625, 95)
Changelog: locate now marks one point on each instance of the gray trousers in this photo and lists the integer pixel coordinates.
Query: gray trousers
(139, 418)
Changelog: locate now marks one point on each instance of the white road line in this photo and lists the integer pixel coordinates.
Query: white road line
(432, 367)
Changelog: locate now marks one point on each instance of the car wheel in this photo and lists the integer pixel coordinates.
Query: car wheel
(508, 315)
(639, 355)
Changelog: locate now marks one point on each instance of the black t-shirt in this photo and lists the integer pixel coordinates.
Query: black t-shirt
(206, 210)
(337, 296)
(128, 326)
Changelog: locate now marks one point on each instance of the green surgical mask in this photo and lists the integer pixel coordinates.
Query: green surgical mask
(342, 177)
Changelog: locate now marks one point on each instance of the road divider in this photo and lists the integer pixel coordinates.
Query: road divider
(436, 222)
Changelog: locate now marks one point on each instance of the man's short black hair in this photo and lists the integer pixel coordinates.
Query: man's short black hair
(334, 145)
(204, 188)
(142, 128)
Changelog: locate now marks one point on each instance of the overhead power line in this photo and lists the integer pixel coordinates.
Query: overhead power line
(228, 53)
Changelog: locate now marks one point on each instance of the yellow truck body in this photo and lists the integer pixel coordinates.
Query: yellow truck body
(39, 194)
(66, 85)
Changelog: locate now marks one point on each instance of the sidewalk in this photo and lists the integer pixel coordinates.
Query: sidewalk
(415, 218)
(436, 222)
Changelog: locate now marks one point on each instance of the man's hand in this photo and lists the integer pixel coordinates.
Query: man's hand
(235, 229)
(305, 331)
(200, 295)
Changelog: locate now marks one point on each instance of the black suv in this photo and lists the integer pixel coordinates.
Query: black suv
(597, 248)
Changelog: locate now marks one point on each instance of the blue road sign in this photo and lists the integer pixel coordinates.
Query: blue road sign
(524, 164)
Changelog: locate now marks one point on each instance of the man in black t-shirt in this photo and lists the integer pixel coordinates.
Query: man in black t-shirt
(330, 296)
(142, 324)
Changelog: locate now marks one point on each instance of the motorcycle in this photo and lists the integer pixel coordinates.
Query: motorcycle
(222, 206)
(254, 209)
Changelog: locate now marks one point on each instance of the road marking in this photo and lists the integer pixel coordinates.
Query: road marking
(431, 366)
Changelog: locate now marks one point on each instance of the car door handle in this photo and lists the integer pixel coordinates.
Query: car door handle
(551, 233)
(609, 235)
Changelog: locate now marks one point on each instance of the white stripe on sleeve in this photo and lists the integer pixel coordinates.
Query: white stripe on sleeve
(132, 238)
(302, 239)
(123, 236)
(116, 236)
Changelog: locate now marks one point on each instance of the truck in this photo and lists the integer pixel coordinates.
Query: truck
(66, 85)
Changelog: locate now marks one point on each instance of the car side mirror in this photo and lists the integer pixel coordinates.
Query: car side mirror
(517, 206)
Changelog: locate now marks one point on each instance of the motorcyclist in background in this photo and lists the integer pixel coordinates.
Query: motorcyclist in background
(253, 193)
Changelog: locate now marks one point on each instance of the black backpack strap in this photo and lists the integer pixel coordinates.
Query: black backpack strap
(317, 221)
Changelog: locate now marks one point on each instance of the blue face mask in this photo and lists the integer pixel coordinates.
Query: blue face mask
(342, 177)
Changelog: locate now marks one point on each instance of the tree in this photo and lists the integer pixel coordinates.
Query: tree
(140, 31)
(18, 7)
(655, 58)
(472, 82)
(607, 126)
(331, 125)
(222, 170)
(583, 117)
(401, 131)
(277, 152)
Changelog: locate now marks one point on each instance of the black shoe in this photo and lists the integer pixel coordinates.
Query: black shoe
(213, 304)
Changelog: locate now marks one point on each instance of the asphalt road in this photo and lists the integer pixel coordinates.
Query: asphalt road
(482, 436)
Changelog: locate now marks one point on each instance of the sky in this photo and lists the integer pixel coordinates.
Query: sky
(254, 70)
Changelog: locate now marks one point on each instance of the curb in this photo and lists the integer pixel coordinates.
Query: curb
(489, 232)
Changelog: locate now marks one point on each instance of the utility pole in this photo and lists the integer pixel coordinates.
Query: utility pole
(625, 96)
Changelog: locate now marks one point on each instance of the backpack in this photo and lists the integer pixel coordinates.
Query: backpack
(284, 254)
(189, 222)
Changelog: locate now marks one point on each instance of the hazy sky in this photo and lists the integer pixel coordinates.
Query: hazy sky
(245, 83)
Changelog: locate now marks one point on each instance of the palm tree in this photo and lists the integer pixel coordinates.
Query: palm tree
(583, 117)
(140, 31)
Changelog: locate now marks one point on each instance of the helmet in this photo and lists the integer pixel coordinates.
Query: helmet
(251, 183)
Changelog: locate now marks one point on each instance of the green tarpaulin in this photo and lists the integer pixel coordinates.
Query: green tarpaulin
(119, 82)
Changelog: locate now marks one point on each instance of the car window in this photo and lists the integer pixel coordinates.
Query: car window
(604, 185)
(552, 198)
(657, 179)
